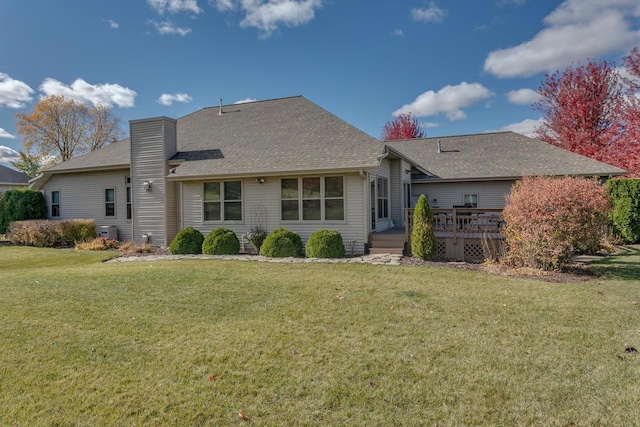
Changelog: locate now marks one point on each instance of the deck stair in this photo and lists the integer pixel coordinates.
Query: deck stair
(388, 242)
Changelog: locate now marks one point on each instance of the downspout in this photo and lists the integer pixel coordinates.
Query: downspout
(366, 207)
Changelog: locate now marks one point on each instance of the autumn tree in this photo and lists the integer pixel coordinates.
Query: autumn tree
(63, 128)
(591, 110)
(405, 126)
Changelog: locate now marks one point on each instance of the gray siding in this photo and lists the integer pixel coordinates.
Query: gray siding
(153, 141)
(7, 187)
(490, 193)
(395, 203)
(267, 195)
(82, 195)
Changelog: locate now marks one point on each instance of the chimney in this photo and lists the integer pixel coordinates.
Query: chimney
(220, 112)
(439, 147)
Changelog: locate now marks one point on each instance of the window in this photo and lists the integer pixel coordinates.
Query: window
(319, 199)
(55, 204)
(383, 198)
(223, 201)
(129, 209)
(470, 200)
(110, 202)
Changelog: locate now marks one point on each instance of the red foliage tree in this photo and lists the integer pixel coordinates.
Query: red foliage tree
(591, 110)
(405, 126)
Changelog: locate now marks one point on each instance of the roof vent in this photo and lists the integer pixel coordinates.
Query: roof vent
(220, 112)
(439, 147)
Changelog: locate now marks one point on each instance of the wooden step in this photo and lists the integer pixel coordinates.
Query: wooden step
(378, 251)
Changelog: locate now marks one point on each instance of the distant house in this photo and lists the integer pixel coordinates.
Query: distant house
(283, 163)
(11, 179)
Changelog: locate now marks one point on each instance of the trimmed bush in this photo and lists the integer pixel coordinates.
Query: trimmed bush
(221, 241)
(548, 219)
(51, 233)
(187, 241)
(325, 244)
(256, 237)
(423, 240)
(281, 243)
(625, 195)
(21, 205)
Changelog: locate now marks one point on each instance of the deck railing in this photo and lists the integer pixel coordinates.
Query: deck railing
(459, 220)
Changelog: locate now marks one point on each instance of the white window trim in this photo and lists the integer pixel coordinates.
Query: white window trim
(378, 198)
(322, 201)
(59, 203)
(464, 196)
(222, 200)
(128, 191)
(115, 205)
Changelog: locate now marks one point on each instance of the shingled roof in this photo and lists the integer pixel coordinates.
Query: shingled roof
(284, 135)
(501, 155)
(13, 177)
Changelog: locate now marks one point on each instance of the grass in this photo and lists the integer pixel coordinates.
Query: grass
(198, 342)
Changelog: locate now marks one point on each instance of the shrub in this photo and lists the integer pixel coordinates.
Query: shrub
(187, 241)
(325, 244)
(97, 244)
(423, 240)
(221, 241)
(625, 195)
(51, 233)
(256, 237)
(281, 243)
(21, 205)
(547, 219)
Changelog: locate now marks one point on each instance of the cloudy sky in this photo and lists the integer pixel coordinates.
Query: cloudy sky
(460, 66)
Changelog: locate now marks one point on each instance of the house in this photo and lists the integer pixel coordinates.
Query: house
(286, 163)
(277, 163)
(478, 170)
(12, 179)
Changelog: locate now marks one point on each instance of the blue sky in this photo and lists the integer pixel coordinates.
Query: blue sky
(460, 66)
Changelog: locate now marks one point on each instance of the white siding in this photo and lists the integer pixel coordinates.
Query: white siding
(490, 193)
(152, 143)
(268, 195)
(82, 195)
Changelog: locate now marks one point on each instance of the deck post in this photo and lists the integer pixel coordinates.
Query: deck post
(406, 225)
(455, 227)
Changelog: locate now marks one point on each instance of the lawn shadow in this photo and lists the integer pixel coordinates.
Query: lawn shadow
(623, 266)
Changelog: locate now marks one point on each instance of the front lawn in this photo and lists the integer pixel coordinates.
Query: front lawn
(208, 342)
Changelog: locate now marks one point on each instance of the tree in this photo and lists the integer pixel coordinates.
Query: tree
(423, 239)
(405, 126)
(64, 129)
(29, 163)
(591, 110)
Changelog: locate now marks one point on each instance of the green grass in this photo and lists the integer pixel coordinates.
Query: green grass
(196, 342)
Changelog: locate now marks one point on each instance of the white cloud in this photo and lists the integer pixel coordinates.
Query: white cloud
(81, 91)
(8, 154)
(526, 127)
(428, 125)
(397, 32)
(431, 14)
(449, 100)
(245, 100)
(113, 24)
(169, 99)
(576, 30)
(167, 27)
(13, 93)
(5, 134)
(175, 6)
(268, 15)
(523, 96)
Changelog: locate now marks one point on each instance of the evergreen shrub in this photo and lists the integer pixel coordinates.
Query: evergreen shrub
(423, 239)
(221, 241)
(187, 241)
(21, 205)
(625, 195)
(325, 244)
(281, 243)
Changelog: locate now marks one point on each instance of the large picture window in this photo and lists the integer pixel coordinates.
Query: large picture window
(110, 202)
(55, 204)
(222, 201)
(312, 199)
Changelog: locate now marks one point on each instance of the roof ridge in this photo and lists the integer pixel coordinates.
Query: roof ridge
(241, 103)
(456, 136)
